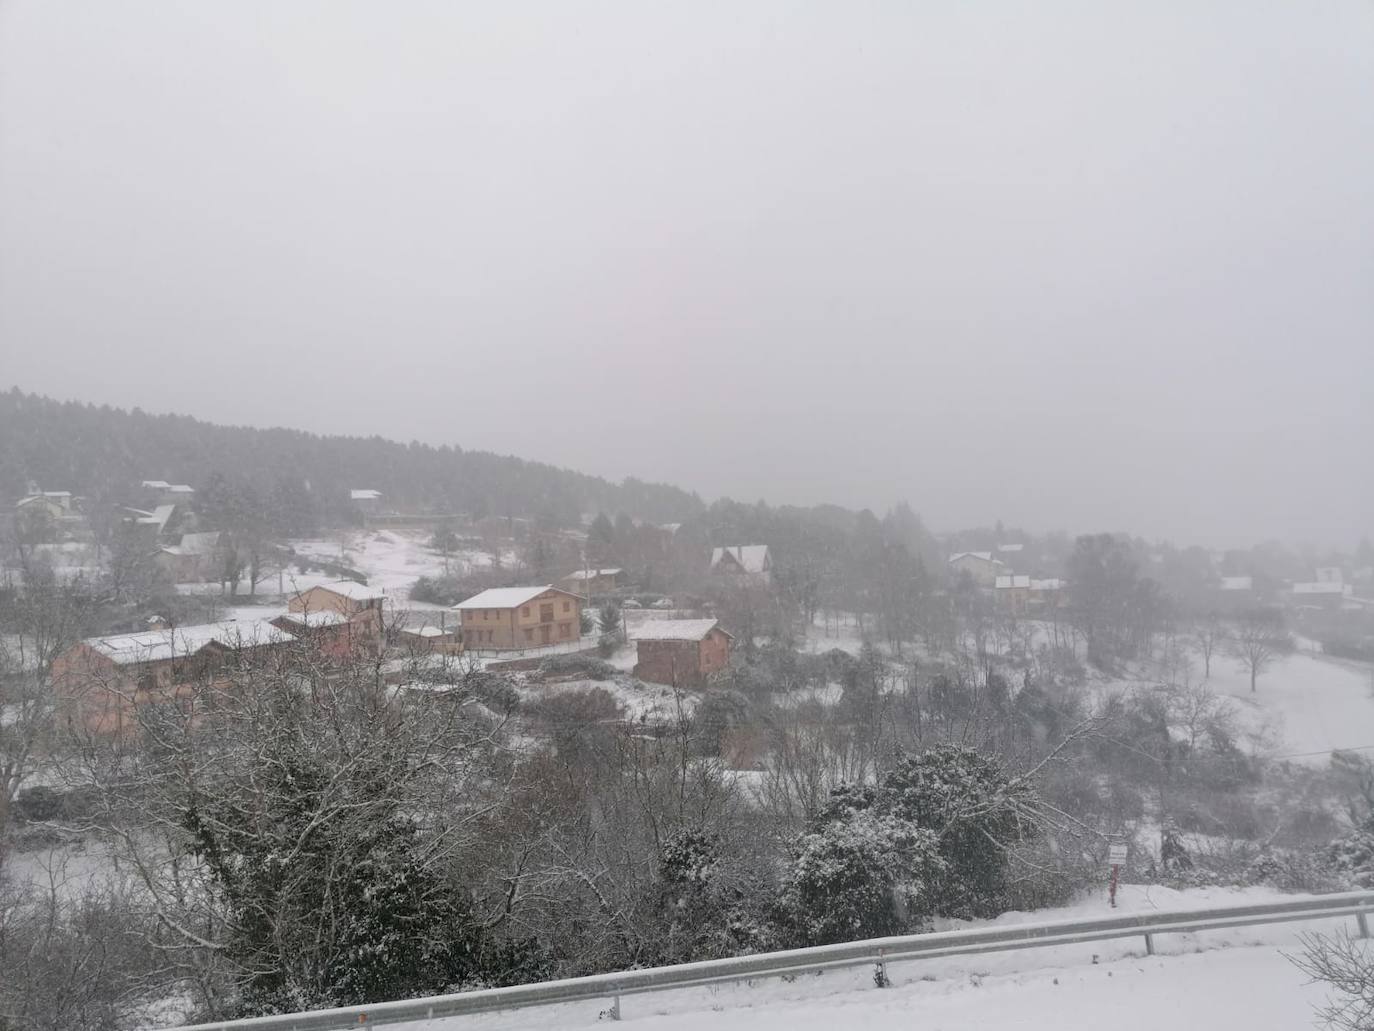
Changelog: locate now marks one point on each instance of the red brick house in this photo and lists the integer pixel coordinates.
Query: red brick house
(680, 652)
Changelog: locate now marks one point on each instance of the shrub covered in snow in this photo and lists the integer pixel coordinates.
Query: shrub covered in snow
(933, 837)
(860, 874)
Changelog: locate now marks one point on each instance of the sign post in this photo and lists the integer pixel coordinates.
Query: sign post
(1116, 856)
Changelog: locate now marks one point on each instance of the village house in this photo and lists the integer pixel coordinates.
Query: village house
(101, 682)
(680, 652)
(53, 512)
(1012, 593)
(1318, 594)
(56, 504)
(163, 493)
(1021, 595)
(367, 501)
(505, 618)
(746, 563)
(346, 597)
(423, 640)
(154, 522)
(980, 565)
(591, 581)
(197, 558)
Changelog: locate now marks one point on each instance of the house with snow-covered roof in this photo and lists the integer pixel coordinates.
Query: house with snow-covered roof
(591, 581)
(680, 652)
(340, 619)
(747, 563)
(506, 618)
(981, 565)
(101, 682)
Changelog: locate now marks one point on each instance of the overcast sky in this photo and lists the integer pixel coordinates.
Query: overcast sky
(1081, 265)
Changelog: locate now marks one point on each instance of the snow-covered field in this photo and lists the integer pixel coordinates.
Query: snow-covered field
(1307, 703)
(1225, 980)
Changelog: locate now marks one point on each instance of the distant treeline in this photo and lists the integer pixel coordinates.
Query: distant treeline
(105, 452)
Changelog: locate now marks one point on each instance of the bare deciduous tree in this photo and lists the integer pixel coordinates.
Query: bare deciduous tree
(1346, 965)
(1259, 639)
(1208, 632)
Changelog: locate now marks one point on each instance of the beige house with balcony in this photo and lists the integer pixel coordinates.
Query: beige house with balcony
(506, 618)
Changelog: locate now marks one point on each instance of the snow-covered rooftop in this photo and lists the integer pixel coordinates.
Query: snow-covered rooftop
(155, 645)
(503, 597)
(365, 494)
(352, 589)
(424, 631)
(589, 574)
(157, 517)
(673, 630)
(156, 484)
(1237, 583)
(1010, 548)
(985, 556)
(314, 620)
(1319, 587)
(752, 558)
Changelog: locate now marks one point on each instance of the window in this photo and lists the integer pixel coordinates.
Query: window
(566, 605)
(525, 611)
(565, 629)
(546, 613)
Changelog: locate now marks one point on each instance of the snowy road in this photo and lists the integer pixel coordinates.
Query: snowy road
(1223, 980)
(1246, 989)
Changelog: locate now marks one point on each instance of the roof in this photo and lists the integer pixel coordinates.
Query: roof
(315, 620)
(1010, 547)
(157, 517)
(180, 488)
(588, 574)
(985, 556)
(506, 597)
(1319, 587)
(675, 630)
(1051, 584)
(365, 494)
(156, 484)
(1006, 582)
(349, 589)
(200, 543)
(425, 631)
(32, 498)
(1237, 583)
(57, 493)
(752, 558)
(156, 645)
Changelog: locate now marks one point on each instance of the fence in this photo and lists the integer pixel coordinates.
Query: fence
(875, 951)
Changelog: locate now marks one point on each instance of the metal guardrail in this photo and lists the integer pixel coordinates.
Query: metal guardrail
(877, 951)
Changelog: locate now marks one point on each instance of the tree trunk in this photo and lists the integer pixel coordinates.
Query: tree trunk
(1254, 672)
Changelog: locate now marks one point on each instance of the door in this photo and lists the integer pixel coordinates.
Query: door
(545, 631)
